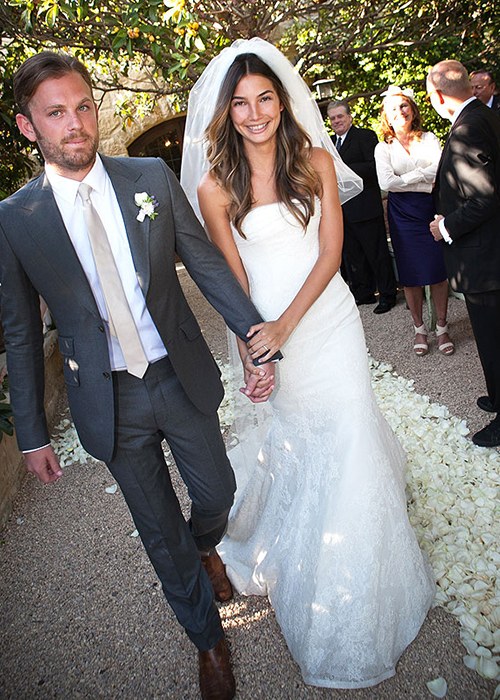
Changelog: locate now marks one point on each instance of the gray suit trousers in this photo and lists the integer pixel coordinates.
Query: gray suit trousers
(147, 411)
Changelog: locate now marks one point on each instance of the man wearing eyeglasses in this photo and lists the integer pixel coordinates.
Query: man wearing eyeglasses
(484, 88)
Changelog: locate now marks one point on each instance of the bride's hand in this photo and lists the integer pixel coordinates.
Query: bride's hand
(266, 339)
(259, 381)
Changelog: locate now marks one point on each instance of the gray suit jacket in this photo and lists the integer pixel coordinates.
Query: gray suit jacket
(37, 257)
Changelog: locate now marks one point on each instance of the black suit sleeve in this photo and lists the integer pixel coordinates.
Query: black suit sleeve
(364, 163)
(473, 175)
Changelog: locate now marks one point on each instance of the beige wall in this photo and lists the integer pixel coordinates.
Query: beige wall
(115, 137)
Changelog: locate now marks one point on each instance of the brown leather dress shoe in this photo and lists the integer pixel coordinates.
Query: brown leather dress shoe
(216, 677)
(214, 566)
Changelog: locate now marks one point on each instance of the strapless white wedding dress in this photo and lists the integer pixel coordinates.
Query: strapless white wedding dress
(319, 523)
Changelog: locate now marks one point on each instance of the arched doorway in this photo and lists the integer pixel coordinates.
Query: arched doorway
(162, 141)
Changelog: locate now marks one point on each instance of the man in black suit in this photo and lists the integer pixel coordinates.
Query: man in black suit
(136, 366)
(467, 196)
(366, 259)
(484, 88)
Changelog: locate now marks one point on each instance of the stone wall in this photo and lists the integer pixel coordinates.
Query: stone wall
(12, 469)
(115, 138)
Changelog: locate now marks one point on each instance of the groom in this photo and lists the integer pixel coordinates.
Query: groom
(136, 366)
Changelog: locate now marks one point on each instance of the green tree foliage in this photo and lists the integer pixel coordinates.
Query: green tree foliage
(361, 46)
(16, 162)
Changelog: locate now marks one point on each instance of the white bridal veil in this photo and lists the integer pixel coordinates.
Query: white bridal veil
(203, 99)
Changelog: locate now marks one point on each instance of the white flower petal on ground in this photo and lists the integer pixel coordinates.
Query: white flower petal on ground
(226, 409)
(438, 687)
(488, 668)
(471, 662)
(453, 490)
(67, 445)
(454, 506)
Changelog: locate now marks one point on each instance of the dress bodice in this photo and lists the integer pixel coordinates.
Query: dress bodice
(275, 248)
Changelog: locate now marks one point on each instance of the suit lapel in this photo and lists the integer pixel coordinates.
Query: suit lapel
(51, 237)
(347, 141)
(126, 183)
(54, 243)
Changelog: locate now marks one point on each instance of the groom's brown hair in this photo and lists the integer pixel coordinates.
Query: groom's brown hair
(40, 67)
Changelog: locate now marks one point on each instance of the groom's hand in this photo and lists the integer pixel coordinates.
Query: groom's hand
(259, 381)
(43, 463)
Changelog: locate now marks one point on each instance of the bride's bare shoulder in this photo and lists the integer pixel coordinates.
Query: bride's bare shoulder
(320, 159)
(210, 189)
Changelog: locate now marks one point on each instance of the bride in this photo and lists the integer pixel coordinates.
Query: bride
(319, 523)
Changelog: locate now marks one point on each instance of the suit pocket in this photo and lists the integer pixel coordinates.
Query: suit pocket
(70, 365)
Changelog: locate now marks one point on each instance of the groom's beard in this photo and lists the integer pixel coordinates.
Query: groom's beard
(65, 156)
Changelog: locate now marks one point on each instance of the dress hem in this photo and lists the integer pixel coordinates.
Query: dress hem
(348, 685)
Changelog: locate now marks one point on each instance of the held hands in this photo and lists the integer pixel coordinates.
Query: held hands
(259, 381)
(266, 339)
(44, 464)
(434, 227)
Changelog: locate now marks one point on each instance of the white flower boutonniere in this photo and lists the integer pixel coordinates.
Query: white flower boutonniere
(147, 205)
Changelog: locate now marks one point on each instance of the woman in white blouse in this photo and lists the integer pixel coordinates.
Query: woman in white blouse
(407, 162)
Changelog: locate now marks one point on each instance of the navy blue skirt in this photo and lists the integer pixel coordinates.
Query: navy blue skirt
(419, 257)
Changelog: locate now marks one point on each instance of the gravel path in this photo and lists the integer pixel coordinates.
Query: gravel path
(82, 612)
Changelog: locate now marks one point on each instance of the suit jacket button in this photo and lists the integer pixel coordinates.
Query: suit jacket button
(106, 375)
(100, 328)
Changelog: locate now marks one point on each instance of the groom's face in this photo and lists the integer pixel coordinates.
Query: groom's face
(63, 121)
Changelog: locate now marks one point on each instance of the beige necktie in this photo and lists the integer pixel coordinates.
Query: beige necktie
(121, 321)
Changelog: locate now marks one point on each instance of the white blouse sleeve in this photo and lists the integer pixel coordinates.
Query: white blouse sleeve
(428, 157)
(398, 171)
(387, 178)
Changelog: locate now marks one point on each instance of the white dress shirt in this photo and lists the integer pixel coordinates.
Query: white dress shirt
(104, 200)
(460, 109)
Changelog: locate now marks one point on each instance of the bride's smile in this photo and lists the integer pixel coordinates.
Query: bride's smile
(255, 108)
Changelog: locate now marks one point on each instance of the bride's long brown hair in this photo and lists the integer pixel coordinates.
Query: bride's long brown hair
(297, 183)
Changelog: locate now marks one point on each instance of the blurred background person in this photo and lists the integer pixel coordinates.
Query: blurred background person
(366, 259)
(484, 88)
(406, 163)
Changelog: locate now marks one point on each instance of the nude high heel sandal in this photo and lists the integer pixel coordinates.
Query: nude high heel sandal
(420, 349)
(445, 348)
